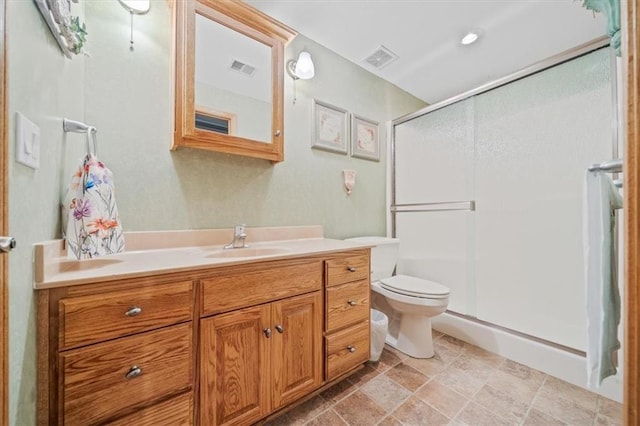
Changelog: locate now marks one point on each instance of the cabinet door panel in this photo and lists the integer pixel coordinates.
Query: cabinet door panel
(297, 347)
(234, 372)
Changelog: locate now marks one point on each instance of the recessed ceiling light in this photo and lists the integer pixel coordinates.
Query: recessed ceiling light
(470, 38)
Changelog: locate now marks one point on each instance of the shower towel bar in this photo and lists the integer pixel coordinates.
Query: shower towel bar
(611, 166)
(434, 207)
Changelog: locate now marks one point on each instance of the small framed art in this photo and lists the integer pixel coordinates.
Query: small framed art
(365, 141)
(329, 127)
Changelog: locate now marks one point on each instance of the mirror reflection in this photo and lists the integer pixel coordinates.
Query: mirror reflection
(232, 82)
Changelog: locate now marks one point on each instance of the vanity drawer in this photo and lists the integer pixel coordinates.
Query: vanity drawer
(347, 269)
(346, 349)
(233, 291)
(347, 304)
(176, 411)
(94, 381)
(99, 317)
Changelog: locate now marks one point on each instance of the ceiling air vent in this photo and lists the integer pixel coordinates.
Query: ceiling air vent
(381, 58)
(243, 68)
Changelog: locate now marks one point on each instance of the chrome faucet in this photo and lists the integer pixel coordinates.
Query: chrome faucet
(239, 237)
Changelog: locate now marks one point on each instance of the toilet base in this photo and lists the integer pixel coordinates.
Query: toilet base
(414, 337)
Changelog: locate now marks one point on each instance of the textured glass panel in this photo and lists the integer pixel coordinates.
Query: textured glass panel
(434, 156)
(534, 139)
(438, 246)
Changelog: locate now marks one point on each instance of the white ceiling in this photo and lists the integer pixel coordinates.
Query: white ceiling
(433, 65)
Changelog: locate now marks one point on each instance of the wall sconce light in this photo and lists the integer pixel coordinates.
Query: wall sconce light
(302, 68)
(137, 7)
(349, 180)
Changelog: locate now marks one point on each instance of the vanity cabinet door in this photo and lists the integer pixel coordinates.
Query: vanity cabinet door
(296, 347)
(235, 365)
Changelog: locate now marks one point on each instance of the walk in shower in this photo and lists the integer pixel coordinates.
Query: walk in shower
(487, 189)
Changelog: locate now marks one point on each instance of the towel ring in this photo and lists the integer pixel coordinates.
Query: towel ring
(92, 138)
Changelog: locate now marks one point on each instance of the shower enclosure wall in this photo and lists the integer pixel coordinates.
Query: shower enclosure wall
(487, 195)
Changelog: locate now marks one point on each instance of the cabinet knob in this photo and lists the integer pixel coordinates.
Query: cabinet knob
(267, 332)
(352, 302)
(351, 348)
(280, 329)
(132, 312)
(351, 269)
(133, 372)
(277, 133)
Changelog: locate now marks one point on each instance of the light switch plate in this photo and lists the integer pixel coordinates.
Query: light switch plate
(27, 142)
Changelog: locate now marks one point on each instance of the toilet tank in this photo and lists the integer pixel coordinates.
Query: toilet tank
(383, 256)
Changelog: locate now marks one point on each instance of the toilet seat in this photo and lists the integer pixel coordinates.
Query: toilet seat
(414, 287)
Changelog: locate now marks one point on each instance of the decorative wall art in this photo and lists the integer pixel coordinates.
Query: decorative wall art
(365, 142)
(329, 127)
(69, 32)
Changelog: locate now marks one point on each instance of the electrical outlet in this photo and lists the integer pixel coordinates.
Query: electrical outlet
(27, 142)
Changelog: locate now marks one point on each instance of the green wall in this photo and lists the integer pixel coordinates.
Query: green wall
(128, 97)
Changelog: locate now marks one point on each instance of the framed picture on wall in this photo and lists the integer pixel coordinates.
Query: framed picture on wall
(365, 141)
(329, 127)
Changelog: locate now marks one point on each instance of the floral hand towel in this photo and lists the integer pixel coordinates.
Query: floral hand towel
(92, 222)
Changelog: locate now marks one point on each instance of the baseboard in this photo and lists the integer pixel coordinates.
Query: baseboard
(559, 363)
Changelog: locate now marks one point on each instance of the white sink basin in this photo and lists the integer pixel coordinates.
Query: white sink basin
(249, 252)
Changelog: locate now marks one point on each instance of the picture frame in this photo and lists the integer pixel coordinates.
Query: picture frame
(365, 138)
(69, 32)
(329, 127)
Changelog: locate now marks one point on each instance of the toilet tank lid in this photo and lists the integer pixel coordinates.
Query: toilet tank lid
(375, 240)
(417, 286)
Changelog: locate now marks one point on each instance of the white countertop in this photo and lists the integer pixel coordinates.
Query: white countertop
(54, 269)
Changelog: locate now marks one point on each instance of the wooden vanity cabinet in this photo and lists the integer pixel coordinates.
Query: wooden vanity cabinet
(220, 346)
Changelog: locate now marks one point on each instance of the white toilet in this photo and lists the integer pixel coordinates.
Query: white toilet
(414, 300)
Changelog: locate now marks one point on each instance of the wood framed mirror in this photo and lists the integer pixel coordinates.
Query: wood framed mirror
(229, 77)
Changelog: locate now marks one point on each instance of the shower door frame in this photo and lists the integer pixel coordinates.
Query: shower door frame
(4, 224)
(631, 98)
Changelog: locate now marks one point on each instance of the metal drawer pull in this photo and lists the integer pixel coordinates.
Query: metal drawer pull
(351, 348)
(280, 329)
(352, 302)
(132, 312)
(134, 372)
(267, 332)
(351, 269)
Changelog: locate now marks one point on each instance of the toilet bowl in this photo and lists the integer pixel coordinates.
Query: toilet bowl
(414, 301)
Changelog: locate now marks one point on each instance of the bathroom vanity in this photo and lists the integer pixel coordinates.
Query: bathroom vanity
(195, 334)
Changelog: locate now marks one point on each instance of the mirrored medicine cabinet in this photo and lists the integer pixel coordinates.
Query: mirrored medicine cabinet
(229, 63)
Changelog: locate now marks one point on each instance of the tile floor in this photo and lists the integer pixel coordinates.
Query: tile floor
(461, 385)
